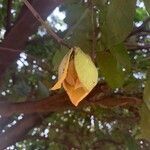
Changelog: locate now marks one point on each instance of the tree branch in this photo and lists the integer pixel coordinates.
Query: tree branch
(140, 28)
(137, 47)
(5, 121)
(61, 102)
(35, 137)
(25, 27)
(18, 131)
(50, 32)
(8, 17)
(93, 22)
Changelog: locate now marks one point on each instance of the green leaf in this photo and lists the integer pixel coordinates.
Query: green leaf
(146, 93)
(141, 14)
(147, 5)
(42, 90)
(78, 19)
(120, 53)
(130, 142)
(118, 21)
(144, 123)
(22, 88)
(111, 69)
(57, 58)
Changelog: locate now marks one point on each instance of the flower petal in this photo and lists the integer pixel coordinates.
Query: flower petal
(71, 74)
(75, 95)
(86, 70)
(62, 70)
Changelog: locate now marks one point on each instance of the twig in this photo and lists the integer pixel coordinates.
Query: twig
(8, 17)
(29, 58)
(144, 23)
(35, 137)
(10, 50)
(137, 47)
(93, 31)
(139, 29)
(46, 26)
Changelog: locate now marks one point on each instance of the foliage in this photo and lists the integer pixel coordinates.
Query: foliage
(116, 36)
(88, 128)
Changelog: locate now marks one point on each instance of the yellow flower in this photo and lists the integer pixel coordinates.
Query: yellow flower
(78, 75)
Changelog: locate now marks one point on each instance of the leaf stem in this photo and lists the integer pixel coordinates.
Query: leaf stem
(93, 55)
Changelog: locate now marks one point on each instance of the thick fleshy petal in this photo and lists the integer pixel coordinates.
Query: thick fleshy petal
(75, 95)
(71, 74)
(62, 70)
(86, 71)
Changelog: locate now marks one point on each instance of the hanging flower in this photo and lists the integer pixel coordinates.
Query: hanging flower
(77, 74)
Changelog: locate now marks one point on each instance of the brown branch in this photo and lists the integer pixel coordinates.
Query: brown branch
(46, 26)
(23, 28)
(139, 29)
(18, 131)
(30, 58)
(5, 121)
(8, 17)
(137, 47)
(94, 40)
(9, 50)
(61, 102)
(102, 141)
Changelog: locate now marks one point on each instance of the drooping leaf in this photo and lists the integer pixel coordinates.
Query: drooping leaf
(42, 90)
(22, 88)
(58, 56)
(120, 53)
(147, 5)
(79, 24)
(141, 14)
(110, 69)
(130, 142)
(118, 21)
(146, 93)
(144, 123)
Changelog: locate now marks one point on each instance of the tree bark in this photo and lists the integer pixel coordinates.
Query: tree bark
(24, 27)
(17, 38)
(5, 121)
(19, 130)
(61, 102)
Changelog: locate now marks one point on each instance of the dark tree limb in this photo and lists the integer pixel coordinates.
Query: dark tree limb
(4, 121)
(23, 28)
(16, 38)
(8, 17)
(140, 28)
(137, 47)
(35, 137)
(18, 131)
(61, 102)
